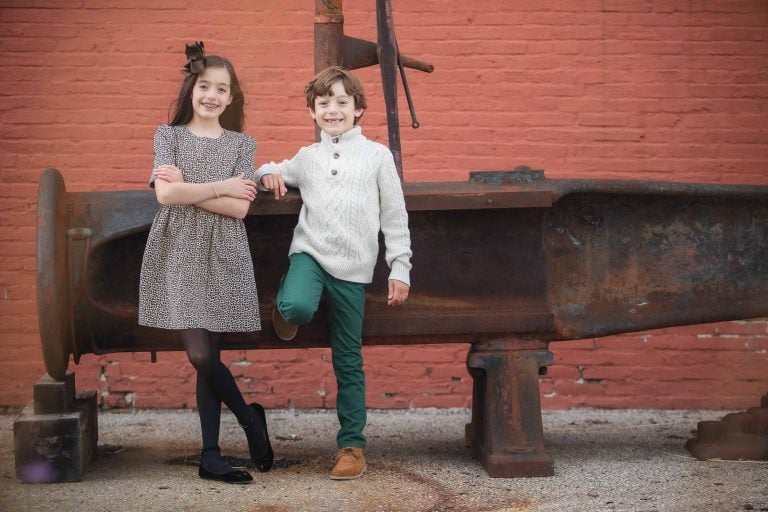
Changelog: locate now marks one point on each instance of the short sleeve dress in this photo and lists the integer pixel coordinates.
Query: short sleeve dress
(197, 270)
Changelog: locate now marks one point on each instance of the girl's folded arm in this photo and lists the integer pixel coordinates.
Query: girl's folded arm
(229, 206)
(180, 192)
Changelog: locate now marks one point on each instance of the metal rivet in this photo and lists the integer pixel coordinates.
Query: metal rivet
(333, 172)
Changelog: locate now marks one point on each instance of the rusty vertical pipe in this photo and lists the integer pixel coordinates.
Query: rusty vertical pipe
(329, 34)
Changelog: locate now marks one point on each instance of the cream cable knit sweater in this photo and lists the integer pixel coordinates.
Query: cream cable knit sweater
(350, 190)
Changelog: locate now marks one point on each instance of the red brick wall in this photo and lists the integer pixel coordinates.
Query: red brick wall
(640, 89)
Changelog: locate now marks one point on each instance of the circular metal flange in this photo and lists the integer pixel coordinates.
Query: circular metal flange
(51, 259)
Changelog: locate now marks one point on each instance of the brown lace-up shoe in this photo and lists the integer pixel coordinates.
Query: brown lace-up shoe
(283, 329)
(350, 464)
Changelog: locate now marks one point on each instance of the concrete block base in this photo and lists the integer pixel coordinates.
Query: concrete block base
(56, 446)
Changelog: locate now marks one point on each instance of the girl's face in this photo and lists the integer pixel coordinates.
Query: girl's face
(335, 113)
(211, 94)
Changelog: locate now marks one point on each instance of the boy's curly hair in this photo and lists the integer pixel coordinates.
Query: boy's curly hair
(321, 84)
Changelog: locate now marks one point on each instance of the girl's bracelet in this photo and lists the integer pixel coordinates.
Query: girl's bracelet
(214, 190)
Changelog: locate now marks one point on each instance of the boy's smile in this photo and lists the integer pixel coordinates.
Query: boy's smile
(335, 113)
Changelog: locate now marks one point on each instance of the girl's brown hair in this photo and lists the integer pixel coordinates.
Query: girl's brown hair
(233, 116)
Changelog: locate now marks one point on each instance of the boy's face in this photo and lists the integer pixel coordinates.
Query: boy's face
(335, 113)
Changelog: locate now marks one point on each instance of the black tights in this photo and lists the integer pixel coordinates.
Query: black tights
(215, 384)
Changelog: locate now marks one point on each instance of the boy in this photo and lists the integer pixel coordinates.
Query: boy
(350, 190)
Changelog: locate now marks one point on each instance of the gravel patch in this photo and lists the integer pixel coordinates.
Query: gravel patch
(612, 460)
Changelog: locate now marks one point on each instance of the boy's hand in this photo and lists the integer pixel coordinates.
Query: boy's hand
(169, 173)
(398, 292)
(276, 183)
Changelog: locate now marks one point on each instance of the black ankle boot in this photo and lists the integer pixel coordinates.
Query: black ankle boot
(258, 439)
(234, 476)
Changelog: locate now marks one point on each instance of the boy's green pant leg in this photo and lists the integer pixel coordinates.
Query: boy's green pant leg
(297, 301)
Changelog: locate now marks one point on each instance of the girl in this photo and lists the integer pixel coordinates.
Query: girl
(197, 274)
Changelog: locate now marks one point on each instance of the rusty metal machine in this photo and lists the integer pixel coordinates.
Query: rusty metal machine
(507, 262)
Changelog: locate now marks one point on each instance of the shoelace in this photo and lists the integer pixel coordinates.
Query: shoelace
(344, 452)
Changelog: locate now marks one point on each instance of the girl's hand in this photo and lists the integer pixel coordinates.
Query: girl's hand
(237, 187)
(398, 292)
(169, 173)
(276, 183)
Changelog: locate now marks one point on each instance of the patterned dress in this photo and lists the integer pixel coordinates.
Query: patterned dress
(197, 270)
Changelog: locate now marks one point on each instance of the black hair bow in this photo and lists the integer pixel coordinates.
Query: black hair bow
(195, 59)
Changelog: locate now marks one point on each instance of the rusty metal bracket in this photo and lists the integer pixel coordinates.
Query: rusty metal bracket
(78, 245)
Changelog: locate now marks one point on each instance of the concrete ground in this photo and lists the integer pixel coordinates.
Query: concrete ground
(617, 460)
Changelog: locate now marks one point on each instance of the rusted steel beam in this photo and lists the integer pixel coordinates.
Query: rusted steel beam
(561, 259)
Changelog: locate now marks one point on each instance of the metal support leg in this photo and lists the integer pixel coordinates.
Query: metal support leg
(506, 430)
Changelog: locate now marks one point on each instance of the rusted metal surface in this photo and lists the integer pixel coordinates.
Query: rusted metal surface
(635, 257)
(329, 34)
(446, 224)
(737, 436)
(506, 430)
(521, 259)
(387, 52)
(53, 304)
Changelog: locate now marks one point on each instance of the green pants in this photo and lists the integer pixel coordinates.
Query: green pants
(297, 301)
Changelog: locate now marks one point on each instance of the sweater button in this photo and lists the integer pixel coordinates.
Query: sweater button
(336, 155)
(334, 172)
(335, 140)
